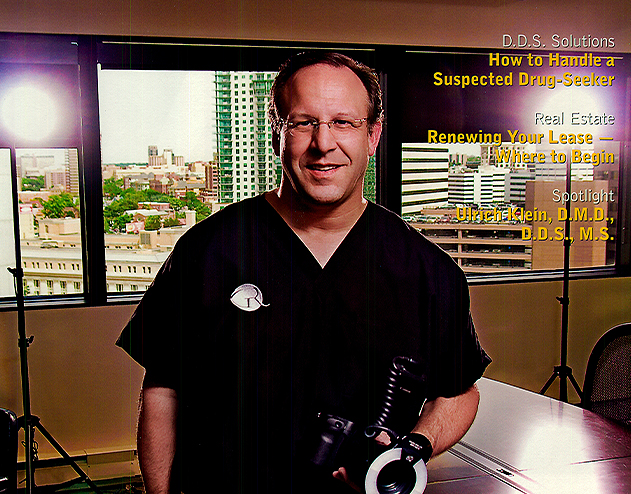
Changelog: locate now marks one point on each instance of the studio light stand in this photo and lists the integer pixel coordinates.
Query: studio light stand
(563, 372)
(30, 422)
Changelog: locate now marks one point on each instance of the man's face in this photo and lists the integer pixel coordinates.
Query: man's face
(324, 166)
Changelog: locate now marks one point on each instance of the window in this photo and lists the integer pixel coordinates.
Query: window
(483, 167)
(40, 142)
(136, 165)
(484, 218)
(50, 211)
(7, 259)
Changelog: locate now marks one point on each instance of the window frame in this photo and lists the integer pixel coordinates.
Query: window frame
(153, 53)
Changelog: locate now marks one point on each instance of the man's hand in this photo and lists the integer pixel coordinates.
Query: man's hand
(341, 474)
(443, 421)
(382, 439)
(157, 437)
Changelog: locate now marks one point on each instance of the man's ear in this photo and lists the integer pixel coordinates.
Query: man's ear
(276, 142)
(373, 138)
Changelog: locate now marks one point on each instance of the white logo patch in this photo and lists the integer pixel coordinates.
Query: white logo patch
(247, 297)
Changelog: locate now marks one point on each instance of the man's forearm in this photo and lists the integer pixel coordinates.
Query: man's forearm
(445, 420)
(157, 425)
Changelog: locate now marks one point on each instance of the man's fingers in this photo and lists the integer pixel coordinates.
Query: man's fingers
(341, 474)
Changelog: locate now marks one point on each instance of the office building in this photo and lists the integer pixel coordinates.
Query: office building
(247, 165)
(503, 156)
(71, 159)
(55, 178)
(483, 185)
(515, 185)
(425, 171)
(589, 226)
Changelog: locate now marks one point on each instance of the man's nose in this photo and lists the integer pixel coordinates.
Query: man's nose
(323, 139)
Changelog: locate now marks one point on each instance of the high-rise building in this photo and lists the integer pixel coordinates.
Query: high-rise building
(515, 185)
(461, 187)
(33, 165)
(153, 158)
(167, 157)
(550, 170)
(247, 165)
(55, 177)
(178, 161)
(483, 186)
(589, 227)
(71, 158)
(507, 155)
(425, 170)
(211, 176)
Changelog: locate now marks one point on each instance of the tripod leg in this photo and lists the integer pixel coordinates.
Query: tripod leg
(577, 388)
(67, 457)
(548, 383)
(29, 440)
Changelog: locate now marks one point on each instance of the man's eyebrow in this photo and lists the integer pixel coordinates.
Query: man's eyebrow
(342, 114)
(301, 115)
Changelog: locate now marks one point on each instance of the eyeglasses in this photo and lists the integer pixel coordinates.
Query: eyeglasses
(339, 127)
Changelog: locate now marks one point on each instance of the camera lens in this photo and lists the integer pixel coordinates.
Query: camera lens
(397, 477)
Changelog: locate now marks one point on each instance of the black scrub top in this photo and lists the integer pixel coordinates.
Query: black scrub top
(257, 338)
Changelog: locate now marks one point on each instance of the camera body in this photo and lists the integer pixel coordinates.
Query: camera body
(333, 433)
(395, 469)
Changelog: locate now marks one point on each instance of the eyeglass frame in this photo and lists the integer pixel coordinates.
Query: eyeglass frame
(356, 123)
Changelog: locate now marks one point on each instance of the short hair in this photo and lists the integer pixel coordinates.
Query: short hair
(366, 75)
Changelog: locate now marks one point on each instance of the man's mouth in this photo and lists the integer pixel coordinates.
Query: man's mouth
(323, 167)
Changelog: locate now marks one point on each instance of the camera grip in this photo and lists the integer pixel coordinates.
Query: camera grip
(333, 432)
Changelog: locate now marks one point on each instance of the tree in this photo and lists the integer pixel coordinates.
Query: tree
(155, 196)
(112, 187)
(33, 183)
(121, 222)
(129, 200)
(60, 206)
(193, 203)
(153, 223)
(117, 224)
(175, 203)
(171, 222)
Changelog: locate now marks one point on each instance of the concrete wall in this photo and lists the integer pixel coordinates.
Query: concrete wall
(85, 389)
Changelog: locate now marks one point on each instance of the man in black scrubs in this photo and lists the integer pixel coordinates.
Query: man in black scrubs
(295, 303)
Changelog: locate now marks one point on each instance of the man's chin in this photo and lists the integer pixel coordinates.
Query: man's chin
(322, 198)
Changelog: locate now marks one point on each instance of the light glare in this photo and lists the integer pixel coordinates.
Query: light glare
(29, 113)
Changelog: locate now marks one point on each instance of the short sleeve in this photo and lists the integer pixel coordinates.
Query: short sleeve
(455, 357)
(152, 337)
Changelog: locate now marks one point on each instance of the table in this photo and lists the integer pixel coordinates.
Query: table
(521, 441)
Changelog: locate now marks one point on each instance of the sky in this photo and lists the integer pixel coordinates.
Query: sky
(169, 109)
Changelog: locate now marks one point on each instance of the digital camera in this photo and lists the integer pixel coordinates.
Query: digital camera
(395, 469)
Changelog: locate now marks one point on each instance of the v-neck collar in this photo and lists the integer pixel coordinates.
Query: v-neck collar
(357, 227)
